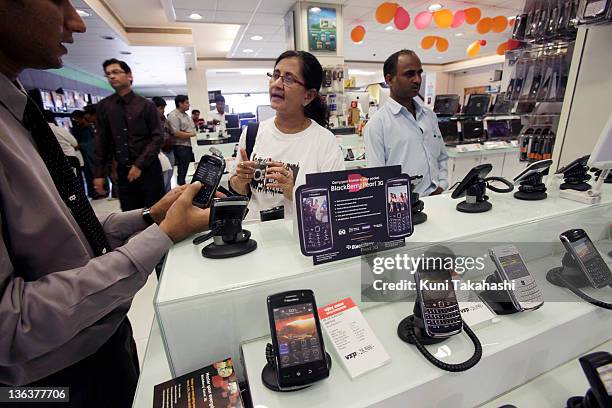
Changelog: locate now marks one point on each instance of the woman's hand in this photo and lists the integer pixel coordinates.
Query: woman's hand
(283, 178)
(244, 174)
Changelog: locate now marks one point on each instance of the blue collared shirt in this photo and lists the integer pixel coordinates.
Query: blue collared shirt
(393, 136)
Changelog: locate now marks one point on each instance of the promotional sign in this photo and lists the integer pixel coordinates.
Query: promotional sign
(341, 214)
(322, 29)
(358, 348)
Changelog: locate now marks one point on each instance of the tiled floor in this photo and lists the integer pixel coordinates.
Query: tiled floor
(141, 313)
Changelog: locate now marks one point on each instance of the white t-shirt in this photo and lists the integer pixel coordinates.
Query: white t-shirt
(215, 115)
(313, 150)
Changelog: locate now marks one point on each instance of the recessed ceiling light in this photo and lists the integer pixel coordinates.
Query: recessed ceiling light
(389, 28)
(83, 13)
(315, 10)
(458, 34)
(107, 37)
(195, 16)
(257, 38)
(439, 57)
(247, 50)
(186, 53)
(434, 7)
(125, 52)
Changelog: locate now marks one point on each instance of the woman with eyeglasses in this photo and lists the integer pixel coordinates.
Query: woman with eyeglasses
(293, 143)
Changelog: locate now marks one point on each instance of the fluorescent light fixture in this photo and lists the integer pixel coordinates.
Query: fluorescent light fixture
(434, 7)
(186, 53)
(247, 50)
(257, 38)
(125, 53)
(389, 28)
(315, 10)
(360, 72)
(195, 16)
(83, 13)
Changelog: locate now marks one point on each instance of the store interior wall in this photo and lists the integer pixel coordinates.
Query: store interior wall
(474, 77)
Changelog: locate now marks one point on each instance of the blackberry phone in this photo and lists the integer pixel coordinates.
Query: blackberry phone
(350, 156)
(399, 208)
(316, 220)
(209, 173)
(581, 249)
(436, 294)
(511, 268)
(597, 368)
(296, 338)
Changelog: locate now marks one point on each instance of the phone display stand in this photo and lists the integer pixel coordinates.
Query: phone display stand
(418, 216)
(476, 201)
(588, 401)
(571, 273)
(499, 301)
(576, 179)
(268, 374)
(412, 330)
(221, 248)
(532, 188)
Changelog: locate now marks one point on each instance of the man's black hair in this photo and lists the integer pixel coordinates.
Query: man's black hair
(178, 99)
(90, 109)
(194, 111)
(390, 65)
(77, 114)
(219, 98)
(124, 66)
(158, 101)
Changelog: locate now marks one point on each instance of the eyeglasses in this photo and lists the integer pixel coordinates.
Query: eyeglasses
(114, 72)
(288, 79)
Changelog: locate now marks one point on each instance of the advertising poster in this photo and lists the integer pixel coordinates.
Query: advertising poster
(322, 29)
(343, 213)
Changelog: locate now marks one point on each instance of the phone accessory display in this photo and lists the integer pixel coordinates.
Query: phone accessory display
(597, 368)
(547, 21)
(536, 142)
(570, 275)
(595, 11)
(418, 216)
(412, 329)
(229, 239)
(531, 187)
(268, 374)
(576, 175)
(474, 187)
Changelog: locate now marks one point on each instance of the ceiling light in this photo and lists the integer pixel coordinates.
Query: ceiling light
(195, 16)
(247, 50)
(360, 72)
(389, 28)
(315, 10)
(257, 38)
(83, 13)
(434, 7)
(458, 34)
(125, 52)
(186, 53)
(107, 37)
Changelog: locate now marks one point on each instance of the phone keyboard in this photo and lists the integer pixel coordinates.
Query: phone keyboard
(599, 272)
(528, 292)
(399, 223)
(318, 237)
(443, 318)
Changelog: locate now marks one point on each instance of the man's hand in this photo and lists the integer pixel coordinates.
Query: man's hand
(184, 219)
(99, 186)
(134, 173)
(437, 191)
(160, 208)
(283, 178)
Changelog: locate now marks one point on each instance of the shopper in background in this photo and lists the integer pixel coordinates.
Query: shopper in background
(405, 133)
(217, 117)
(183, 129)
(85, 135)
(129, 131)
(110, 182)
(168, 146)
(197, 121)
(68, 143)
(294, 142)
(90, 114)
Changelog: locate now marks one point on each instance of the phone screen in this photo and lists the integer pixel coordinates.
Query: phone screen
(440, 291)
(605, 374)
(513, 266)
(399, 210)
(208, 173)
(296, 335)
(316, 221)
(584, 249)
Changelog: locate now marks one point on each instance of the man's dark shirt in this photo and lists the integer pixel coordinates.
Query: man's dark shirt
(129, 129)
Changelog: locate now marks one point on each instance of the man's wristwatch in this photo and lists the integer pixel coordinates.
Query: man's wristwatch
(146, 216)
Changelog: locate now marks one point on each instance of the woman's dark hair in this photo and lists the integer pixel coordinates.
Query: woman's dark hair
(313, 78)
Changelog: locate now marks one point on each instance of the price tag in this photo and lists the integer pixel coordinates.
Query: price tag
(358, 348)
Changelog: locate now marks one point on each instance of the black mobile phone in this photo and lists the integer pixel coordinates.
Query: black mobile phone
(574, 165)
(296, 338)
(316, 220)
(209, 173)
(597, 368)
(436, 294)
(399, 208)
(584, 253)
(350, 156)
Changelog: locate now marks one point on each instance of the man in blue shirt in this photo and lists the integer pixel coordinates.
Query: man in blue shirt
(405, 133)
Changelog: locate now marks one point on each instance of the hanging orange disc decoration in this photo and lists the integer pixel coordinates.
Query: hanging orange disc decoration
(385, 12)
(502, 48)
(442, 44)
(422, 20)
(358, 34)
(500, 23)
(473, 49)
(443, 18)
(484, 25)
(472, 15)
(428, 42)
(458, 19)
(401, 19)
